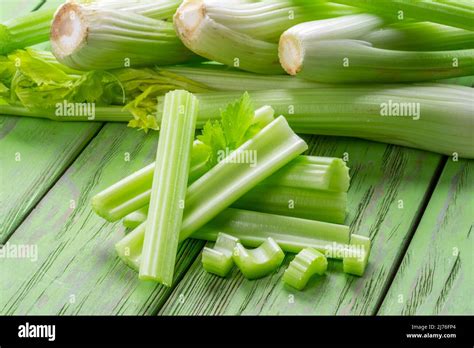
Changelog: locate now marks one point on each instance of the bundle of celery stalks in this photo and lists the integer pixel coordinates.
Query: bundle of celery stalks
(394, 71)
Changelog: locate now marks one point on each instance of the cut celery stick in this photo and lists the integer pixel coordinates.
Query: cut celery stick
(133, 192)
(307, 263)
(272, 148)
(259, 262)
(218, 260)
(356, 263)
(298, 202)
(253, 228)
(169, 187)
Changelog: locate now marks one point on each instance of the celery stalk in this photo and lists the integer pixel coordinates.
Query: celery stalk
(457, 14)
(259, 262)
(274, 146)
(431, 117)
(292, 201)
(305, 264)
(129, 248)
(24, 31)
(253, 228)
(169, 187)
(86, 37)
(134, 219)
(218, 260)
(421, 36)
(338, 61)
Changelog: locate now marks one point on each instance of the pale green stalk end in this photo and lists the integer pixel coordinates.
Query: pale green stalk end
(357, 263)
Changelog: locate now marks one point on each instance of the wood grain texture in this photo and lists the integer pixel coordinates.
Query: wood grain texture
(77, 270)
(34, 153)
(436, 274)
(383, 178)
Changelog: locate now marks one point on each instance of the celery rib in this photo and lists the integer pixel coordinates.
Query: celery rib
(305, 264)
(356, 262)
(259, 262)
(169, 187)
(445, 123)
(218, 260)
(252, 229)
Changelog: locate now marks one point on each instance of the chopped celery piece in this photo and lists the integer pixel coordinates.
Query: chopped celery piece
(258, 158)
(307, 263)
(356, 263)
(90, 37)
(169, 187)
(218, 260)
(259, 262)
(134, 219)
(253, 228)
(453, 13)
(432, 117)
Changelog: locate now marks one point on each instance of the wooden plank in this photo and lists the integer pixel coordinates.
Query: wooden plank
(436, 276)
(77, 270)
(34, 154)
(388, 188)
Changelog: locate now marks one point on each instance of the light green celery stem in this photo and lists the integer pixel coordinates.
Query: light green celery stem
(214, 41)
(305, 264)
(274, 146)
(457, 14)
(421, 36)
(108, 39)
(281, 200)
(102, 114)
(339, 61)
(223, 78)
(162, 9)
(26, 30)
(218, 260)
(467, 81)
(301, 180)
(290, 201)
(356, 259)
(133, 192)
(259, 262)
(267, 20)
(173, 158)
(252, 229)
(445, 124)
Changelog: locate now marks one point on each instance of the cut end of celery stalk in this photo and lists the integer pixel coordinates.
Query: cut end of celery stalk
(290, 52)
(188, 19)
(307, 263)
(68, 30)
(357, 263)
(129, 248)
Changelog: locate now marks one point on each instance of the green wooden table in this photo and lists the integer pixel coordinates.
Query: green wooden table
(417, 208)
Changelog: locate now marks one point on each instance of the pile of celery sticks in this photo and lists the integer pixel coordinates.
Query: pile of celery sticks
(250, 74)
